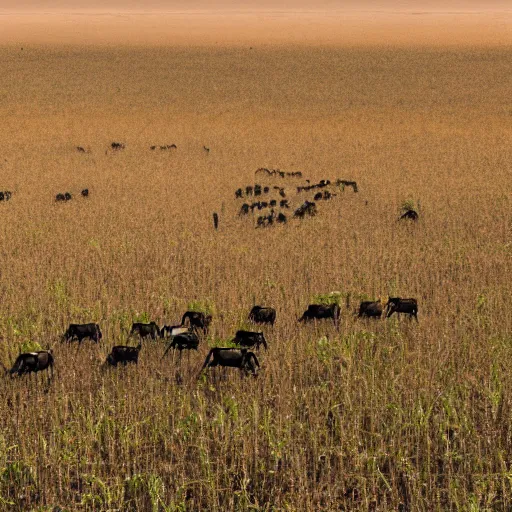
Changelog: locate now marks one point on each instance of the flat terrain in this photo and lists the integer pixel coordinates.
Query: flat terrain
(374, 415)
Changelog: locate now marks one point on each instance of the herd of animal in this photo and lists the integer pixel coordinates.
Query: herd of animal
(187, 336)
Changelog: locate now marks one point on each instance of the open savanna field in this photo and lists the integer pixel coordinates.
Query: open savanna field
(372, 415)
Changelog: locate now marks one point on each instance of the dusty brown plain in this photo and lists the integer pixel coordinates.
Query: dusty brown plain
(384, 415)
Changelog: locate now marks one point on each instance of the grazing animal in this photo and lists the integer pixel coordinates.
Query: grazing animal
(124, 354)
(206, 149)
(232, 358)
(262, 315)
(82, 331)
(215, 220)
(248, 190)
(145, 330)
(370, 309)
(239, 193)
(197, 320)
(321, 312)
(80, 149)
(266, 190)
(307, 208)
(257, 190)
(5, 195)
(33, 362)
(405, 306)
(409, 215)
(116, 146)
(346, 183)
(63, 197)
(167, 146)
(152, 148)
(250, 339)
(85, 192)
(272, 203)
(284, 203)
(184, 341)
(244, 210)
(281, 218)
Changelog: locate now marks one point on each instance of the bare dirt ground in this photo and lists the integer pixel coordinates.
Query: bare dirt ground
(372, 415)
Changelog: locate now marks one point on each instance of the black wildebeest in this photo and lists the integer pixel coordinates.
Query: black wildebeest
(82, 331)
(63, 197)
(250, 339)
(124, 354)
(5, 195)
(244, 210)
(284, 203)
(281, 218)
(370, 309)
(262, 315)
(409, 214)
(207, 149)
(116, 146)
(321, 312)
(248, 190)
(85, 192)
(80, 149)
(307, 208)
(399, 305)
(33, 362)
(239, 193)
(257, 190)
(232, 358)
(197, 320)
(144, 330)
(215, 220)
(346, 183)
(184, 341)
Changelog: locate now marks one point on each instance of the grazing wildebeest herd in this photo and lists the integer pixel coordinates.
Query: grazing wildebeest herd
(194, 325)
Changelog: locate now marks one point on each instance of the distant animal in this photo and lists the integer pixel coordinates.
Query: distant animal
(239, 193)
(405, 306)
(346, 183)
(232, 358)
(124, 354)
(184, 341)
(284, 203)
(5, 195)
(116, 146)
(409, 215)
(80, 149)
(281, 218)
(63, 197)
(257, 190)
(262, 315)
(272, 203)
(206, 149)
(152, 148)
(250, 339)
(85, 192)
(144, 330)
(33, 362)
(244, 210)
(370, 309)
(307, 208)
(215, 220)
(197, 320)
(248, 190)
(81, 332)
(266, 190)
(282, 193)
(325, 195)
(168, 146)
(321, 312)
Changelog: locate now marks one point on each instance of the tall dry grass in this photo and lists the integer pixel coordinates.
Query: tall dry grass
(386, 415)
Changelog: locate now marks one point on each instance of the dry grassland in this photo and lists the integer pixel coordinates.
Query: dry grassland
(386, 415)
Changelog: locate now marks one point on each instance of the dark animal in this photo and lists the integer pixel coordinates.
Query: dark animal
(282, 192)
(85, 192)
(284, 203)
(116, 146)
(124, 354)
(308, 208)
(206, 149)
(346, 183)
(262, 315)
(405, 306)
(248, 190)
(168, 146)
(244, 210)
(370, 309)
(197, 320)
(145, 330)
(266, 190)
(5, 195)
(183, 341)
(250, 339)
(215, 220)
(239, 193)
(33, 362)
(232, 358)
(82, 331)
(321, 312)
(80, 149)
(281, 218)
(409, 215)
(63, 197)
(257, 190)
(272, 203)
(326, 195)
(152, 148)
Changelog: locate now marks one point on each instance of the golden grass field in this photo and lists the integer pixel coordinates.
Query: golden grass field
(377, 415)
